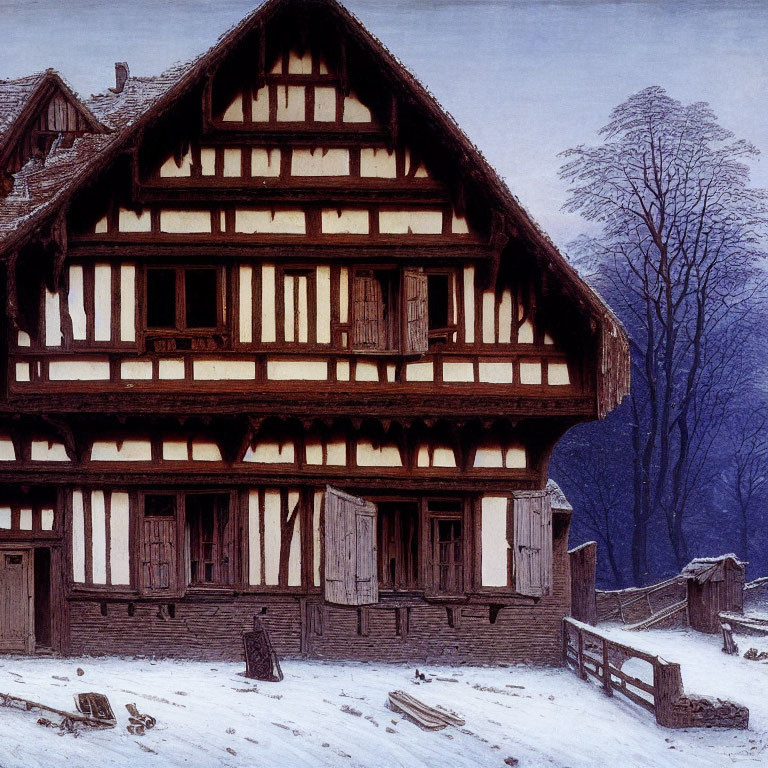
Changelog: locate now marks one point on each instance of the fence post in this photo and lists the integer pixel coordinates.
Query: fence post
(582, 673)
(606, 669)
(668, 689)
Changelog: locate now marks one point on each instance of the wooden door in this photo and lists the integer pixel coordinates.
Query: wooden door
(16, 602)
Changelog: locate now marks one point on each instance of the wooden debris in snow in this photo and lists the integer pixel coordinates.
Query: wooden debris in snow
(429, 718)
(139, 723)
(94, 705)
(729, 645)
(75, 718)
(261, 662)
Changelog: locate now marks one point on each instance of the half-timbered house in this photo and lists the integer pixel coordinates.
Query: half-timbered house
(279, 342)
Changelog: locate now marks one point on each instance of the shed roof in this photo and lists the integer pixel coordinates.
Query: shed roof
(704, 569)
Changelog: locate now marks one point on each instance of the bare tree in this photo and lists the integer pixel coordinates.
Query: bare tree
(677, 258)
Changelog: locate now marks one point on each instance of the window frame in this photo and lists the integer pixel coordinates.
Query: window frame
(430, 518)
(443, 334)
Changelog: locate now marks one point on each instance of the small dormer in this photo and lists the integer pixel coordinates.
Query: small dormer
(35, 111)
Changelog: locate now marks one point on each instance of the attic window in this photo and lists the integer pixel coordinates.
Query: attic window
(183, 299)
(440, 308)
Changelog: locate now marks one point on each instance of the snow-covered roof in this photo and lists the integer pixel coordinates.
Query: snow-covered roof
(705, 569)
(557, 497)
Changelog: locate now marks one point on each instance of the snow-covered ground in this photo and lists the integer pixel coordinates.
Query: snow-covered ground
(325, 714)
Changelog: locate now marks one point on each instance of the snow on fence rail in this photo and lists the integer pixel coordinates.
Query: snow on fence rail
(591, 653)
(635, 604)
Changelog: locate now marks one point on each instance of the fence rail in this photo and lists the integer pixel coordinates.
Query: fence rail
(592, 654)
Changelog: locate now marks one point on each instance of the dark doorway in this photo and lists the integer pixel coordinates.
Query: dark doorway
(398, 547)
(42, 597)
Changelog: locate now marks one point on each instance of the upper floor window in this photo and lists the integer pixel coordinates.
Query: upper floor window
(441, 306)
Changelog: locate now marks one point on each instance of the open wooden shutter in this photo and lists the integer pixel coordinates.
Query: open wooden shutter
(533, 543)
(368, 313)
(416, 337)
(350, 549)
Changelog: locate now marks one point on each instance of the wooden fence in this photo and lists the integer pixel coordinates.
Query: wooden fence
(592, 654)
(637, 604)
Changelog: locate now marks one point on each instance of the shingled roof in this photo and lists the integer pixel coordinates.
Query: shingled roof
(40, 190)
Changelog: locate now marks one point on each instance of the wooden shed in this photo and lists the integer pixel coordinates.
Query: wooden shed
(715, 584)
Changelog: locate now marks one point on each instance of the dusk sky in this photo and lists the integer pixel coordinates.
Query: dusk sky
(525, 79)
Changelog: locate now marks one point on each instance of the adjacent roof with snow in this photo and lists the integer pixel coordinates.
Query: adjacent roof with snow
(704, 569)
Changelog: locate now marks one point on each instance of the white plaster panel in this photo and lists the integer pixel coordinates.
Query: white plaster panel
(530, 373)
(233, 162)
(76, 302)
(221, 370)
(494, 545)
(268, 324)
(175, 450)
(469, 304)
(52, 319)
(25, 519)
(46, 519)
(300, 64)
(78, 538)
(316, 557)
(128, 450)
(302, 309)
(381, 456)
(131, 221)
(323, 289)
(246, 304)
(254, 539)
(119, 547)
(5, 518)
(297, 370)
(185, 222)
(291, 102)
(355, 111)
(419, 372)
(320, 162)
(489, 457)
(314, 452)
(98, 538)
(548, 339)
(525, 333)
(265, 162)
(489, 317)
(325, 104)
(7, 451)
(271, 537)
(278, 66)
(78, 370)
(422, 458)
(391, 371)
(366, 370)
(421, 173)
(294, 551)
(459, 225)
(270, 452)
(136, 369)
(344, 295)
(557, 374)
(260, 105)
(289, 311)
(336, 453)
(404, 222)
(23, 339)
(378, 163)
(101, 227)
(270, 222)
(443, 457)
(102, 300)
(342, 370)
(496, 373)
(22, 371)
(345, 221)
(234, 112)
(208, 161)
(516, 458)
(205, 451)
(128, 302)
(458, 371)
(170, 170)
(170, 369)
(505, 317)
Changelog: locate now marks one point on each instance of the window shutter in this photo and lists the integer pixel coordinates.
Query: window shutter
(416, 314)
(533, 543)
(350, 549)
(158, 567)
(368, 313)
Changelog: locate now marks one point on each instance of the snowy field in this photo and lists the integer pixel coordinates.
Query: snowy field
(325, 714)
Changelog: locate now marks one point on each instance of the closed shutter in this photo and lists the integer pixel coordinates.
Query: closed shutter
(158, 566)
(533, 543)
(416, 313)
(350, 549)
(368, 312)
